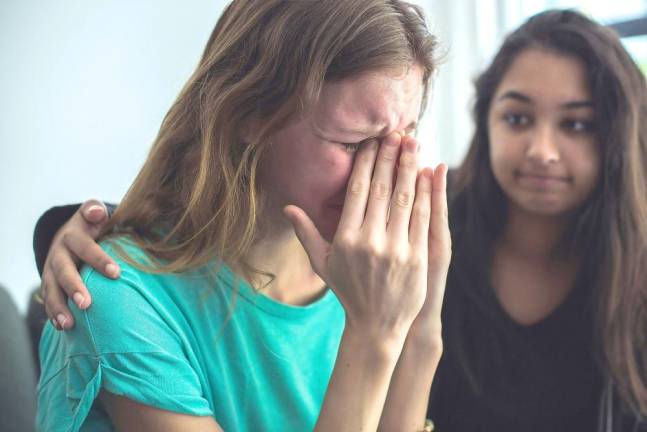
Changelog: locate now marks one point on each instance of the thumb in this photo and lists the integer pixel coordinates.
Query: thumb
(315, 246)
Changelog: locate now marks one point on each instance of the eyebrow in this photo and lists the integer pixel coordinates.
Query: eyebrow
(518, 96)
(370, 133)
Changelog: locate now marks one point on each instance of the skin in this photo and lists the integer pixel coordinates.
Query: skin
(312, 150)
(545, 157)
(377, 235)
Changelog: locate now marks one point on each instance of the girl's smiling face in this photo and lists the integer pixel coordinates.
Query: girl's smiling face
(308, 163)
(541, 126)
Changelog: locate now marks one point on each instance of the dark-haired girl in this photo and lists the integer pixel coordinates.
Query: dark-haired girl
(545, 317)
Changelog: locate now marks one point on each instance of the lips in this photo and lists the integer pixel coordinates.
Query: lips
(541, 180)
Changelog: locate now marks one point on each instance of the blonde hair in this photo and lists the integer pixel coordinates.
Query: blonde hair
(197, 196)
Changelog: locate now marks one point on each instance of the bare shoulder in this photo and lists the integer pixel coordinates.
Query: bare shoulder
(129, 415)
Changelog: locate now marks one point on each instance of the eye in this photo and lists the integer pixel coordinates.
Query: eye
(351, 147)
(516, 120)
(578, 126)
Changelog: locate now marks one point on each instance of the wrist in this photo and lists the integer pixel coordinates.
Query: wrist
(425, 340)
(384, 348)
(422, 357)
(423, 348)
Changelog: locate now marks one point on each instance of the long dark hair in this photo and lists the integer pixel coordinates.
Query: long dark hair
(610, 231)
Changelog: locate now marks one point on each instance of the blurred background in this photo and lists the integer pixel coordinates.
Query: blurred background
(85, 86)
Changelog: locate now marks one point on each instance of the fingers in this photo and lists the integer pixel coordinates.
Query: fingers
(439, 228)
(315, 246)
(82, 246)
(357, 190)
(379, 197)
(421, 213)
(94, 211)
(439, 242)
(404, 192)
(67, 277)
(61, 277)
(55, 303)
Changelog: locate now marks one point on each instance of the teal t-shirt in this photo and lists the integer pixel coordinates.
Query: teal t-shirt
(193, 344)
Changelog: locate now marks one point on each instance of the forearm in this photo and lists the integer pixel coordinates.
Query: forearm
(359, 383)
(406, 405)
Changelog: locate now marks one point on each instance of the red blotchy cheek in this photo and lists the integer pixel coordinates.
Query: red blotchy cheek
(338, 167)
(330, 180)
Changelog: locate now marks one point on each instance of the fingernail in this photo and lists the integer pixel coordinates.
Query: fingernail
(62, 319)
(95, 211)
(112, 270)
(54, 323)
(79, 299)
(392, 140)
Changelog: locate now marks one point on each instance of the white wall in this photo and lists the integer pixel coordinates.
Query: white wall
(84, 85)
(467, 31)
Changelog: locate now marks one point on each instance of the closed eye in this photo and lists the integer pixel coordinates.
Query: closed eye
(351, 147)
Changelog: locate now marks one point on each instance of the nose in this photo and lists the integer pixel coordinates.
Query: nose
(543, 146)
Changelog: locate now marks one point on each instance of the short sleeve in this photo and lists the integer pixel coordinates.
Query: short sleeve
(126, 343)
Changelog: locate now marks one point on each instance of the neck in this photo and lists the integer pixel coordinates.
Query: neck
(530, 273)
(279, 252)
(532, 236)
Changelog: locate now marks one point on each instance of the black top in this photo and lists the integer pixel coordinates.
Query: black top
(498, 375)
(528, 378)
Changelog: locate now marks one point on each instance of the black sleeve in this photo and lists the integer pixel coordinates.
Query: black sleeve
(47, 226)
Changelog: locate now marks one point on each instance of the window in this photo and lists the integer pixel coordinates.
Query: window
(627, 17)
